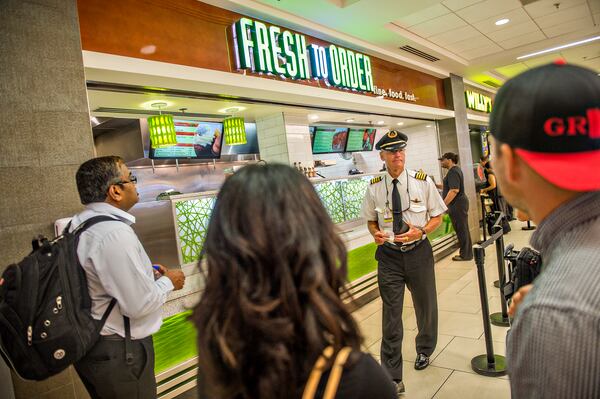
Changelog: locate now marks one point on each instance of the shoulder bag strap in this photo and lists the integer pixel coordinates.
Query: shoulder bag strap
(334, 376)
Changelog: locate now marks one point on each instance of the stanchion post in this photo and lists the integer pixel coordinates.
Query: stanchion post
(482, 198)
(490, 365)
(528, 227)
(500, 318)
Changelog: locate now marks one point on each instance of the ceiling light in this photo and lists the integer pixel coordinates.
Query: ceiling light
(380, 122)
(313, 117)
(400, 123)
(427, 125)
(231, 110)
(350, 120)
(502, 21)
(149, 104)
(591, 39)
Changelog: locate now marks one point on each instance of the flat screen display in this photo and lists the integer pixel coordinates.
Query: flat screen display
(329, 139)
(195, 140)
(251, 146)
(360, 140)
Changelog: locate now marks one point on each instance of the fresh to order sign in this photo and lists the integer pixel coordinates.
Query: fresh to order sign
(478, 102)
(280, 52)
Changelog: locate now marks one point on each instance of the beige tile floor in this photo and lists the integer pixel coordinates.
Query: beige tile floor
(460, 331)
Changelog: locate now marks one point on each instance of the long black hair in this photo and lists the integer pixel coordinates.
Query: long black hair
(276, 268)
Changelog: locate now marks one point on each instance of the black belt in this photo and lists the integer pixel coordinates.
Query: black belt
(404, 248)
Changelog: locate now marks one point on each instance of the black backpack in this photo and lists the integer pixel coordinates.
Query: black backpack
(45, 308)
(525, 266)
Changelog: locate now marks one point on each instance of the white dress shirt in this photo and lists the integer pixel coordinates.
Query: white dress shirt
(117, 266)
(420, 199)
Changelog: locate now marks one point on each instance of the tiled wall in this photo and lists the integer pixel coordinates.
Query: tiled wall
(272, 139)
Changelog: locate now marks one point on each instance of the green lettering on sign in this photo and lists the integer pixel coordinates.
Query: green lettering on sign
(243, 42)
(262, 55)
(274, 32)
(286, 41)
(333, 66)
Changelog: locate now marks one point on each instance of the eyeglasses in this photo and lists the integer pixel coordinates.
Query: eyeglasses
(132, 179)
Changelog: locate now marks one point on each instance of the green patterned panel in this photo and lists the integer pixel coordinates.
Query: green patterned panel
(192, 222)
(331, 194)
(354, 193)
(175, 342)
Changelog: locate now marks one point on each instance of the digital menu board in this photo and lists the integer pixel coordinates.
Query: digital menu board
(360, 140)
(329, 139)
(250, 147)
(195, 140)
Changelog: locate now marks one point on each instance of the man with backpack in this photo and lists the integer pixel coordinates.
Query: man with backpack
(121, 364)
(546, 122)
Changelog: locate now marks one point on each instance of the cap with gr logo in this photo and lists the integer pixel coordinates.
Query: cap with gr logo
(551, 116)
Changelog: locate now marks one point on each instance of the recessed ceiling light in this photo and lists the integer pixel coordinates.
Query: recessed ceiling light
(350, 120)
(313, 117)
(153, 104)
(591, 39)
(231, 110)
(427, 125)
(502, 21)
(380, 122)
(400, 123)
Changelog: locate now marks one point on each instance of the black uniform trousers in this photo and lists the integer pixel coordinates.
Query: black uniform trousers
(105, 373)
(458, 210)
(413, 269)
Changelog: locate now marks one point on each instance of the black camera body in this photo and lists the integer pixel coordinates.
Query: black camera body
(524, 266)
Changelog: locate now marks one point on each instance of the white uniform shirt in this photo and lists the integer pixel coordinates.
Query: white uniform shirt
(117, 266)
(421, 201)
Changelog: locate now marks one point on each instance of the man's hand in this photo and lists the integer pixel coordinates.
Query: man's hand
(380, 237)
(176, 276)
(517, 298)
(412, 234)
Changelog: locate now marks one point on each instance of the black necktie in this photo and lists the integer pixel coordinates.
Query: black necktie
(396, 208)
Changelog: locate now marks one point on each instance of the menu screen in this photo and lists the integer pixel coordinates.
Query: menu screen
(195, 140)
(251, 146)
(329, 139)
(360, 140)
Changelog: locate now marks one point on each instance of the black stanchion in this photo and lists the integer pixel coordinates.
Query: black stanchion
(490, 364)
(482, 198)
(528, 227)
(500, 318)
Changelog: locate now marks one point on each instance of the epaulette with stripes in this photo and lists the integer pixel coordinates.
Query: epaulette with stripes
(420, 175)
(376, 179)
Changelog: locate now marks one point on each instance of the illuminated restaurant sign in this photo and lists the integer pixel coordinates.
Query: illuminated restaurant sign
(478, 102)
(277, 51)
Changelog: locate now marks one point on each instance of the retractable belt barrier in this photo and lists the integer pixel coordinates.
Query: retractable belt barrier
(490, 364)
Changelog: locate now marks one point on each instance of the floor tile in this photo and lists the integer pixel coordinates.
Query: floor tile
(457, 355)
(473, 386)
(460, 324)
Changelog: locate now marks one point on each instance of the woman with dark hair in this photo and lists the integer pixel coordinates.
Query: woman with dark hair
(271, 306)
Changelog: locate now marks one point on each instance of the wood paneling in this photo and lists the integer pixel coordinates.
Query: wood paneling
(188, 32)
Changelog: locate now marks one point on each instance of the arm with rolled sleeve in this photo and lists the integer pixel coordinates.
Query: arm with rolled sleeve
(126, 275)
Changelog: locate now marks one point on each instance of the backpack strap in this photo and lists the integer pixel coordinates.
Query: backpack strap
(128, 352)
(334, 375)
(90, 222)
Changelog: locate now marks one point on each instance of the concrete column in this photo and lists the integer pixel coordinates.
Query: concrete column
(45, 135)
(454, 137)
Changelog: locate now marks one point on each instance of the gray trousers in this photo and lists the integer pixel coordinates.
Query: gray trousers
(105, 373)
(413, 269)
(458, 210)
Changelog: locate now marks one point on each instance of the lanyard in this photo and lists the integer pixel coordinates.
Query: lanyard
(387, 194)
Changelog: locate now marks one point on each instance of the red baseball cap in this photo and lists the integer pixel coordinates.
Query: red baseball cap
(551, 116)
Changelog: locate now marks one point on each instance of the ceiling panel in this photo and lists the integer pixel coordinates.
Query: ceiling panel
(516, 16)
(487, 9)
(563, 15)
(589, 51)
(570, 26)
(481, 52)
(546, 7)
(514, 31)
(512, 70)
(454, 35)
(522, 40)
(595, 6)
(470, 44)
(458, 4)
(542, 60)
(597, 18)
(423, 15)
(438, 25)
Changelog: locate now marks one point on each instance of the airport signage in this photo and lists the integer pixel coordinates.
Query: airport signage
(277, 51)
(478, 102)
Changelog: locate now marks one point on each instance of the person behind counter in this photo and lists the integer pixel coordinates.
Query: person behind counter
(271, 306)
